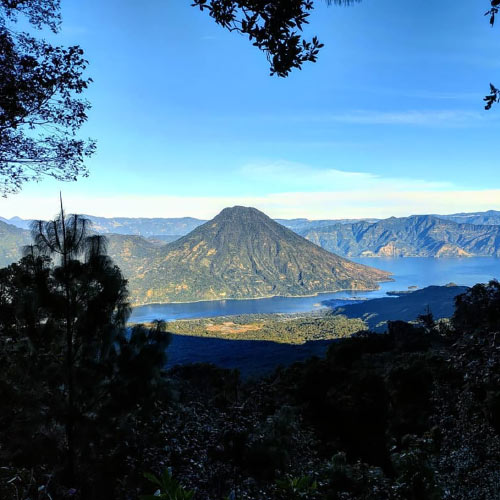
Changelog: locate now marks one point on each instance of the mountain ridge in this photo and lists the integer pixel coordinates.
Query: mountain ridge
(414, 236)
(170, 228)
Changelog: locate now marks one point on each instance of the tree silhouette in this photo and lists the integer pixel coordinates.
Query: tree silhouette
(275, 26)
(40, 111)
(67, 238)
(494, 95)
(67, 355)
(272, 26)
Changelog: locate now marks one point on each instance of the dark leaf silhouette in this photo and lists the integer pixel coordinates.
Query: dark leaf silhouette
(40, 106)
(273, 26)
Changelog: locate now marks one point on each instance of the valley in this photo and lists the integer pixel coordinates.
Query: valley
(281, 328)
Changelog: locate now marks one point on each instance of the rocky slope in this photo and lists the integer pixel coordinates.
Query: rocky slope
(415, 236)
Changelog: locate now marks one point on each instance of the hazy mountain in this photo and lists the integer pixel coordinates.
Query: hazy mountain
(130, 225)
(298, 225)
(416, 236)
(143, 226)
(170, 229)
(12, 239)
(489, 218)
(241, 253)
(17, 222)
(156, 226)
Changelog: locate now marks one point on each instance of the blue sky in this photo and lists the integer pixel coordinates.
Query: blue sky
(389, 121)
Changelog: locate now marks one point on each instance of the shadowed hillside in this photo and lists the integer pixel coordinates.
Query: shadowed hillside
(439, 300)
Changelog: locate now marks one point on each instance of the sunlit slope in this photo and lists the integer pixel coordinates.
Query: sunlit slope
(242, 253)
(416, 236)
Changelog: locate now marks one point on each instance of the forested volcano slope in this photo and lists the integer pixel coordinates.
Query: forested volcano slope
(242, 253)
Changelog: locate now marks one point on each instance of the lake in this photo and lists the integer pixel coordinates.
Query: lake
(407, 272)
(255, 358)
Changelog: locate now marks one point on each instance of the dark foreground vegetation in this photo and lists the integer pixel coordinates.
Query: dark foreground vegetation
(89, 412)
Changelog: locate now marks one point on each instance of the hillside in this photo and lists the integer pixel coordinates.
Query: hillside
(440, 300)
(415, 236)
(12, 239)
(133, 254)
(241, 253)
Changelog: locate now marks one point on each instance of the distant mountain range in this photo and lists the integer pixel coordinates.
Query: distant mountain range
(298, 225)
(169, 229)
(463, 234)
(127, 225)
(415, 236)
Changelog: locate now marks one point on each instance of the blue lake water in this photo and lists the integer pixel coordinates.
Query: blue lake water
(255, 358)
(407, 272)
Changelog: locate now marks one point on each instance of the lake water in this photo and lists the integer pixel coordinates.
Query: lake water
(255, 358)
(407, 272)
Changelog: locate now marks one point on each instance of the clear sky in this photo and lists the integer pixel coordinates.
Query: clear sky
(389, 121)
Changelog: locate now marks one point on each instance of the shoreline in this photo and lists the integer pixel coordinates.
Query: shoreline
(134, 306)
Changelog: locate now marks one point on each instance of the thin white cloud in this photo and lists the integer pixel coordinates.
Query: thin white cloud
(418, 93)
(440, 118)
(313, 205)
(442, 95)
(291, 175)
(445, 118)
(437, 118)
